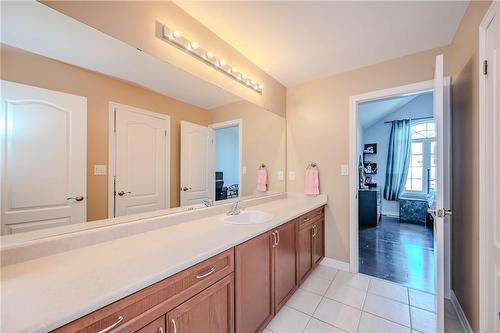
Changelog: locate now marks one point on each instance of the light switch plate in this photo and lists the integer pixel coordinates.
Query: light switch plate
(291, 175)
(344, 169)
(99, 170)
(280, 175)
(244, 170)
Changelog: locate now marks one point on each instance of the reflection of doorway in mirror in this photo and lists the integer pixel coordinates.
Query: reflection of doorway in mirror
(227, 159)
(44, 164)
(139, 161)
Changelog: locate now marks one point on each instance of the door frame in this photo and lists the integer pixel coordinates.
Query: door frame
(232, 123)
(112, 151)
(486, 204)
(353, 168)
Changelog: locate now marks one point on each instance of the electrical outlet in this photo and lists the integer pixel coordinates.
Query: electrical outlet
(291, 175)
(280, 175)
(244, 170)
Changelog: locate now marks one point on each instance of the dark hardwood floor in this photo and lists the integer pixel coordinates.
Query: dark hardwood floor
(398, 252)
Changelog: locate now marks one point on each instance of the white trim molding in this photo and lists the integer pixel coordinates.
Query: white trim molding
(333, 263)
(486, 201)
(460, 313)
(112, 147)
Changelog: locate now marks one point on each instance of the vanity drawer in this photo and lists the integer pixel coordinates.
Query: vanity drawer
(311, 217)
(157, 326)
(137, 310)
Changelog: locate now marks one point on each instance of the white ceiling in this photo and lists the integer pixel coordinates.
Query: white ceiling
(371, 112)
(39, 29)
(305, 40)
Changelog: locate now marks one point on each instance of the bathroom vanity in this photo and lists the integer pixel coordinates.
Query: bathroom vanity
(202, 271)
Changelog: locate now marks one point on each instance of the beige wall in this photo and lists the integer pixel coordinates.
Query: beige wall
(318, 119)
(318, 130)
(263, 142)
(28, 68)
(464, 69)
(109, 17)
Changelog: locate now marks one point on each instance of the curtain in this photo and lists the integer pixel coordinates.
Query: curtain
(398, 159)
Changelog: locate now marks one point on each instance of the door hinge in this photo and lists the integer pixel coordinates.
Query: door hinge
(485, 67)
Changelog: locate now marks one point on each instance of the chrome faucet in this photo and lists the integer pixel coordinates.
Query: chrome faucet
(207, 202)
(235, 209)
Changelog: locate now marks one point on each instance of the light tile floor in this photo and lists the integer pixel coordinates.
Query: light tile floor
(332, 301)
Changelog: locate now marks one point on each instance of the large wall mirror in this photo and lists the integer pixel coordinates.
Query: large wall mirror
(93, 128)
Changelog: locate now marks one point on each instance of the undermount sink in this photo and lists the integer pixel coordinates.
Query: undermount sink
(248, 217)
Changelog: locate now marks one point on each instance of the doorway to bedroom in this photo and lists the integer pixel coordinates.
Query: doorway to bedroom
(397, 180)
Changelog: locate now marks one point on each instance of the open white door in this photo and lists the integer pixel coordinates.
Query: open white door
(438, 210)
(43, 140)
(197, 163)
(490, 178)
(142, 182)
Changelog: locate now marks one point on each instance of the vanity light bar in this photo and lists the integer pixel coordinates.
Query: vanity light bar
(175, 38)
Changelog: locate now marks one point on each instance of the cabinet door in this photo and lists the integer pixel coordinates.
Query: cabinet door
(305, 251)
(210, 311)
(253, 281)
(285, 263)
(318, 241)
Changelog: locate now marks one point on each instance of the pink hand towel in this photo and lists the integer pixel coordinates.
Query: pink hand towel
(262, 180)
(312, 182)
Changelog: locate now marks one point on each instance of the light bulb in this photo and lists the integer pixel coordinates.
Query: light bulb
(235, 69)
(210, 55)
(244, 76)
(177, 34)
(261, 86)
(194, 45)
(223, 63)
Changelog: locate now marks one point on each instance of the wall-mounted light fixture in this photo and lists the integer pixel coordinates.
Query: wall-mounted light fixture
(175, 38)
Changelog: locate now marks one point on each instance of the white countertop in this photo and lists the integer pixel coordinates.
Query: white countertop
(42, 294)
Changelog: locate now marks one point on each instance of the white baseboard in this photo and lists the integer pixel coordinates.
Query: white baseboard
(460, 313)
(343, 266)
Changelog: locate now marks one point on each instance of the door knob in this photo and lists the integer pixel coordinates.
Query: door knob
(122, 193)
(78, 198)
(186, 188)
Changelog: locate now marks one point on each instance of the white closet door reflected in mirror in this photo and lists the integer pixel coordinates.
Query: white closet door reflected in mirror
(43, 149)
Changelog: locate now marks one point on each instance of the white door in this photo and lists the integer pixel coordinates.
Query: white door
(43, 136)
(439, 211)
(141, 169)
(197, 163)
(492, 148)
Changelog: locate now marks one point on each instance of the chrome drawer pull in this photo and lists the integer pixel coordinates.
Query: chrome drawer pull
(278, 235)
(275, 240)
(206, 274)
(174, 325)
(160, 330)
(109, 328)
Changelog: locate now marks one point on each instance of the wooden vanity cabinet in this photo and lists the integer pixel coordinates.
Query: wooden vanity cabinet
(254, 287)
(138, 310)
(265, 277)
(310, 244)
(239, 290)
(211, 311)
(285, 264)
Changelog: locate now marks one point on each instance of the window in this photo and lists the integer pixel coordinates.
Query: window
(422, 171)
